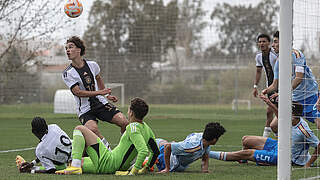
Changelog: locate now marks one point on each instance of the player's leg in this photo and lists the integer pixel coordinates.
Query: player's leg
(120, 120)
(253, 142)
(82, 137)
(274, 125)
(246, 154)
(267, 128)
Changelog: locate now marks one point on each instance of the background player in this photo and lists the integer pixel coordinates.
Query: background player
(136, 142)
(53, 151)
(84, 80)
(176, 156)
(304, 85)
(265, 59)
(264, 151)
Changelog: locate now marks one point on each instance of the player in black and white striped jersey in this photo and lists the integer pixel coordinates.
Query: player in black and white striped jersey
(265, 59)
(85, 82)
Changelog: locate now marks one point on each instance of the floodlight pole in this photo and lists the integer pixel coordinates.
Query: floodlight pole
(284, 123)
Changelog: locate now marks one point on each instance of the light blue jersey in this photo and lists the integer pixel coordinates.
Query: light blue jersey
(309, 86)
(302, 138)
(185, 152)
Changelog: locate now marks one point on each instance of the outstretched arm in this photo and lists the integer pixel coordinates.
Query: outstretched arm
(205, 163)
(314, 156)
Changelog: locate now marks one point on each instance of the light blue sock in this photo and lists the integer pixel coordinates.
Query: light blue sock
(218, 155)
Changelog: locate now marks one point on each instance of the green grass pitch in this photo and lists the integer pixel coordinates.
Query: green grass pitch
(171, 122)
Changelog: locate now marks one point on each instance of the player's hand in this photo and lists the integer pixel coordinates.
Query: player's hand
(122, 173)
(265, 99)
(265, 91)
(25, 167)
(144, 170)
(164, 171)
(274, 96)
(112, 98)
(255, 92)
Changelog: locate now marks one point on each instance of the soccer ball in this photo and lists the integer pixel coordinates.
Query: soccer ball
(73, 8)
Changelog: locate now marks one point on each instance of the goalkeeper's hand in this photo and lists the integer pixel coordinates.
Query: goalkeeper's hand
(144, 170)
(25, 167)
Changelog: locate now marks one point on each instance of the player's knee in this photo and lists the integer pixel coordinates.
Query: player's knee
(244, 140)
(79, 127)
(274, 127)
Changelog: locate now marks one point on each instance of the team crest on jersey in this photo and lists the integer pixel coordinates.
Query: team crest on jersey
(88, 79)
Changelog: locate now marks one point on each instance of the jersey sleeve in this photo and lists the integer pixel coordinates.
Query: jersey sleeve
(69, 80)
(276, 70)
(298, 62)
(258, 63)
(95, 68)
(313, 141)
(154, 151)
(137, 140)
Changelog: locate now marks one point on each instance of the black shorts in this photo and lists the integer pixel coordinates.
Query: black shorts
(104, 113)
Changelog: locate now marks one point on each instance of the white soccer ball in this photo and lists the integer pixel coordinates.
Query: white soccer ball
(73, 8)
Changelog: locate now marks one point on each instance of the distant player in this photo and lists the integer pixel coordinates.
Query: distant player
(264, 151)
(137, 142)
(265, 59)
(86, 84)
(177, 156)
(304, 85)
(53, 151)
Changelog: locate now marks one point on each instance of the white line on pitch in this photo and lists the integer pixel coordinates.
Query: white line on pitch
(17, 150)
(311, 178)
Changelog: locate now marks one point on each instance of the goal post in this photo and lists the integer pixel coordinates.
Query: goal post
(64, 102)
(284, 123)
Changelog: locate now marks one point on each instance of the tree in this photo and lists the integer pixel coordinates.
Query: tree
(27, 21)
(127, 36)
(239, 25)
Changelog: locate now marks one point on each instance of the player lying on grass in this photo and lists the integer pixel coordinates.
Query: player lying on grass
(176, 156)
(53, 151)
(264, 151)
(137, 142)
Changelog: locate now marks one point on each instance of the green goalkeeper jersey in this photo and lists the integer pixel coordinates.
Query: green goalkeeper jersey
(137, 141)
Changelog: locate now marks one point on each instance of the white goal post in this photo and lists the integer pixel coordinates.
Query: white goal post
(236, 102)
(64, 102)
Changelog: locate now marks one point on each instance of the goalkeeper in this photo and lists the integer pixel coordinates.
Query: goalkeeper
(137, 142)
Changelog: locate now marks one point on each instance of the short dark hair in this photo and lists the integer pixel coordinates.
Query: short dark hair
(39, 125)
(263, 36)
(139, 108)
(297, 109)
(276, 34)
(212, 131)
(79, 43)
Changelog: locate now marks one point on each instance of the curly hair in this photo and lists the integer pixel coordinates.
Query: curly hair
(212, 131)
(79, 43)
(139, 108)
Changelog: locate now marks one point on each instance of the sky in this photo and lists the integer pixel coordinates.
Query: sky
(305, 27)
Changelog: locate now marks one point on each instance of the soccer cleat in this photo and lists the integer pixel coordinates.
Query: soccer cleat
(121, 173)
(70, 170)
(19, 161)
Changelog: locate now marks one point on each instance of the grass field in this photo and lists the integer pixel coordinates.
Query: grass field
(171, 122)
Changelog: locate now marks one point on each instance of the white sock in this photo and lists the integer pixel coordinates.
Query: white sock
(106, 143)
(76, 163)
(267, 131)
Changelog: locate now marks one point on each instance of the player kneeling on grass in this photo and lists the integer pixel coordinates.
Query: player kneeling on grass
(264, 151)
(137, 142)
(53, 151)
(176, 156)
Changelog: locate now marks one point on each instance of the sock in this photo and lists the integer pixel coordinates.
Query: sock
(106, 143)
(78, 146)
(267, 131)
(218, 155)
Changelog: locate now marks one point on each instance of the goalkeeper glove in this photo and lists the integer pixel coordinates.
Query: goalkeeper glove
(121, 173)
(144, 170)
(133, 171)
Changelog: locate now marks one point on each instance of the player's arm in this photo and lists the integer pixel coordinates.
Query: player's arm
(256, 82)
(205, 163)
(100, 82)
(154, 152)
(138, 141)
(314, 156)
(167, 154)
(273, 107)
(273, 87)
(84, 93)
(299, 77)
